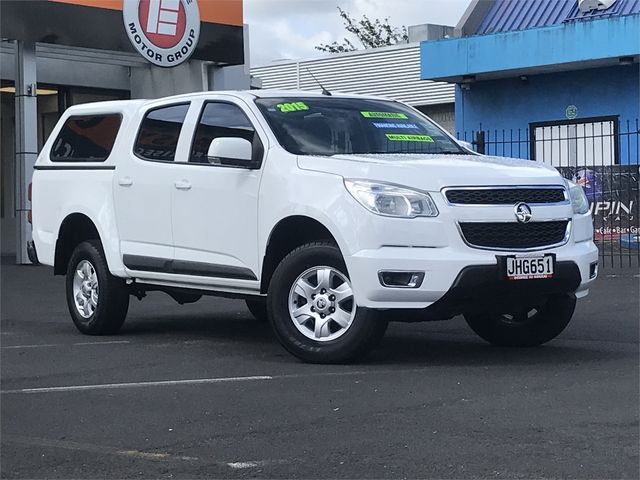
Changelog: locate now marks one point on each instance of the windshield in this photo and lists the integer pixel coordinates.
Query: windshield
(333, 126)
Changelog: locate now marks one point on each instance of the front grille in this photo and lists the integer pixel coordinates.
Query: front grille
(506, 236)
(505, 196)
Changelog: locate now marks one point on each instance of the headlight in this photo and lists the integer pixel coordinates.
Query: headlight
(391, 201)
(579, 200)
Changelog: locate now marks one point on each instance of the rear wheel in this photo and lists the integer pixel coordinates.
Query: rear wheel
(97, 301)
(528, 326)
(313, 311)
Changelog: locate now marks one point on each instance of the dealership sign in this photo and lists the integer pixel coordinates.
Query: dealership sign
(165, 32)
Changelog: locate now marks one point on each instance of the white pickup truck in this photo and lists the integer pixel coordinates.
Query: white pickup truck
(329, 214)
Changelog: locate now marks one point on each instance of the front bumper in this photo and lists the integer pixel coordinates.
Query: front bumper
(444, 266)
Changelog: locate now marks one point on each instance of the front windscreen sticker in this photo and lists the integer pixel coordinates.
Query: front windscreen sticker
(292, 107)
(401, 116)
(409, 126)
(400, 137)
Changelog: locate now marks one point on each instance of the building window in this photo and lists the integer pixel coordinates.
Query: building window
(590, 142)
(87, 138)
(160, 132)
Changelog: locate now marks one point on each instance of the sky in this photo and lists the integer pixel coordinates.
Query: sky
(290, 29)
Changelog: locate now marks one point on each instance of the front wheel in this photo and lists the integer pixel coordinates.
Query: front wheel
(528, 326)
(313, 311)
(97, 301)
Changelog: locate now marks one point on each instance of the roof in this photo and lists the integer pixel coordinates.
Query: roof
(512, 15)
(117, 106)
(274, 93)
(114, 106)
(266, 93)
(597, 43)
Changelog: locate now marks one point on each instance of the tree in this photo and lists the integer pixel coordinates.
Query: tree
(371, 33)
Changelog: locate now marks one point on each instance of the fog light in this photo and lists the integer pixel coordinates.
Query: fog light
(593, 270)
(400, 279)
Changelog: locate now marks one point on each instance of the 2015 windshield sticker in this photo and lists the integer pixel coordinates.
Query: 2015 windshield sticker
(400, 137)
(292, 107)
(394, 115)
(408, 126)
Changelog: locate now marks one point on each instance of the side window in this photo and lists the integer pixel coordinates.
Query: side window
(159, 133)
(223, 120)
(87, 138)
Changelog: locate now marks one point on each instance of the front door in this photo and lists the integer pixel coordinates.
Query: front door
(215, 207)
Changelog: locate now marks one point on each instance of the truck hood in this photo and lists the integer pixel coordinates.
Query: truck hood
(434, 172)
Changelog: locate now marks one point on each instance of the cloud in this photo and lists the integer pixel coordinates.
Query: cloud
(290, 29)
(280, 40)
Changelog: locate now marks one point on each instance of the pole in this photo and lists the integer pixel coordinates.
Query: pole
(26, 140)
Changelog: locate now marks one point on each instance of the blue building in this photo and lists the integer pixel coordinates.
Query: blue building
(544, 67)
(556, 81)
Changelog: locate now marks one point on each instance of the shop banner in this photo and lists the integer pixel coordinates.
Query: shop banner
(613, 196)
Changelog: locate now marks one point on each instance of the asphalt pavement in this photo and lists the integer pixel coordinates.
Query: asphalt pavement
(204, 390)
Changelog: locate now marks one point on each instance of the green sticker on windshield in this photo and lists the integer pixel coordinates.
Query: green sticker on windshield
(395, 115)
(399, 137)
(292, 107)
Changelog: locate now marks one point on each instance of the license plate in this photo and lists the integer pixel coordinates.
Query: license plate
(527, 267)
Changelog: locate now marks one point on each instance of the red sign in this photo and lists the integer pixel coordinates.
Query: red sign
(162, 21)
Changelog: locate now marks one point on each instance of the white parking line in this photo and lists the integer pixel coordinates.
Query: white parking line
(255, 464)
(243, 465)
(49, 345)
(108, 386)
(195, 381)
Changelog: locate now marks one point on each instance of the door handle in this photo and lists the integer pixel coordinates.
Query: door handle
(183, 185)
(125, 181)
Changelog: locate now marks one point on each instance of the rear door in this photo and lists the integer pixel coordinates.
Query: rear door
(142, 189)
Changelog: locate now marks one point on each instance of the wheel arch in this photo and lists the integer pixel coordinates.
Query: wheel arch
(288, 234)
(74, 229)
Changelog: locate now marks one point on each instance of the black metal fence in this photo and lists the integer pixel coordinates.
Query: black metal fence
(600, 154)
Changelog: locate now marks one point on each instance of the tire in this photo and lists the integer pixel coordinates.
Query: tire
(341, 336)
(528, 328)
(104, 307)
(258, 309)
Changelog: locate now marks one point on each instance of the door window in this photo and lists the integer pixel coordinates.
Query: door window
(160, 132)
(222, 120)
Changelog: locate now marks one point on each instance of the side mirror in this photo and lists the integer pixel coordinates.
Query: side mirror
(231, 151)
(467, 145)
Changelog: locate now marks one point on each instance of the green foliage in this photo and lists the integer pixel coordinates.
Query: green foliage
(370, 33)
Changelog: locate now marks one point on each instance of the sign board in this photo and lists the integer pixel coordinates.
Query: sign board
(165, 32)
(99, 24)
(571, 112)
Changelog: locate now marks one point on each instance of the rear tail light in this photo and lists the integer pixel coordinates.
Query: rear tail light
(29, 196)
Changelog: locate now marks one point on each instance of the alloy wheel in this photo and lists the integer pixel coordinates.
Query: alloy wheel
(85, 289)
(321, 304)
